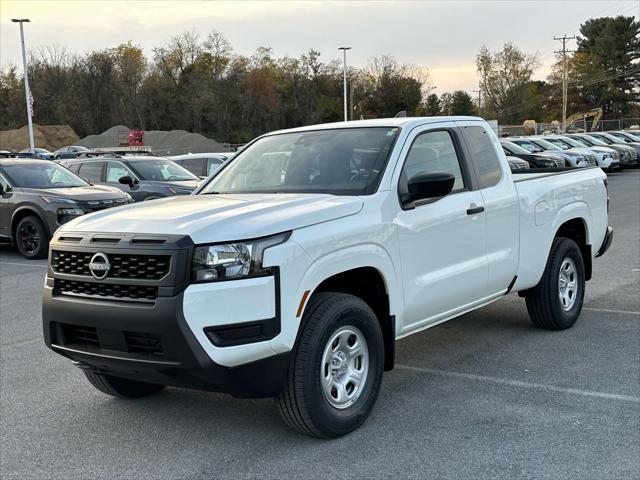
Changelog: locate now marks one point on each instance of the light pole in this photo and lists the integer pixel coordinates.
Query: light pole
(27, 91)
(344, 53)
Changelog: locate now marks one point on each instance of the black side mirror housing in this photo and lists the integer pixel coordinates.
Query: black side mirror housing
(430, 185)
(126, 180)
(1, 189)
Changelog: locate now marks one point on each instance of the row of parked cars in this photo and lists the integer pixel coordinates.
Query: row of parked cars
(608, 150)
(40, 191)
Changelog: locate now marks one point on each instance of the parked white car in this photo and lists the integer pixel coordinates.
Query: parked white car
(293, 275)
(606, 158)
(537, 145)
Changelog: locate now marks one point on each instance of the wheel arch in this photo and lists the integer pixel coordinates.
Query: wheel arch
(368, 276)
(25, 211)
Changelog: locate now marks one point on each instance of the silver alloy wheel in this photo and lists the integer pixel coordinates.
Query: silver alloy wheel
(344, 367)
(568, 284)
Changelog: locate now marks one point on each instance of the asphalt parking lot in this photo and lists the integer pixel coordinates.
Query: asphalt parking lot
(483, 396)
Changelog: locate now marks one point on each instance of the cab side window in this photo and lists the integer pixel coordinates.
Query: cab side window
(483, 155)
(432, 152)
(116, 170)
(91, 171)
(195, 165)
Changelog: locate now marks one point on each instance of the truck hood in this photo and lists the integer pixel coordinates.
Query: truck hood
(219, 218)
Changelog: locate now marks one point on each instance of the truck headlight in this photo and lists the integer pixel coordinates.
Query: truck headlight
(230, 261)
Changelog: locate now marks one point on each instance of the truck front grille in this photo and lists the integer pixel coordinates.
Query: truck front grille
(106, 291)
(144, 343)
(125, 266)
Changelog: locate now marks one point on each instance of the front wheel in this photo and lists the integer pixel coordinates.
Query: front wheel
(336, 368)
(31, 238)
(555, 303)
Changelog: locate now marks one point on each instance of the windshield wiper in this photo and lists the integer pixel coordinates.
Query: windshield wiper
(210, 193)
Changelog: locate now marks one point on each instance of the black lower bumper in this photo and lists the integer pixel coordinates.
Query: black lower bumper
(606, 243)
(150, 343)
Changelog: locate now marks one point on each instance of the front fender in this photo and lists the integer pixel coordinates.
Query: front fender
(330, 264)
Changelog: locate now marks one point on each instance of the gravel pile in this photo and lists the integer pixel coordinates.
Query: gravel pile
(173, 142)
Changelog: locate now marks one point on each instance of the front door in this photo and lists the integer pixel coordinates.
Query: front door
(442, 241)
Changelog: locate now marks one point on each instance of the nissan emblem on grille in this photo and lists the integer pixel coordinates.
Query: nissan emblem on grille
(99, 266)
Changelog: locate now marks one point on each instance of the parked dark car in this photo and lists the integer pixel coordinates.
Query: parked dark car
(37, 196)
(143, 177)
(201, 164)
(516, 164)
(72, 151)
(536, 160)
(610, 140)
(41, 153)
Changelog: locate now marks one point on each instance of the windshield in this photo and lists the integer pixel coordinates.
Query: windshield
(342, 161)
(546, 145)
(559, 143)
(42, 175)
(581, 141)
(160, 169)
(593, 140)
(572, 141)
(604, 138)
(516, 149)
(527, 145)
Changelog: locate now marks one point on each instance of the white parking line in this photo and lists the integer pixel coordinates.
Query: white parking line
(604, 310)
(24, 264)
(521, 384)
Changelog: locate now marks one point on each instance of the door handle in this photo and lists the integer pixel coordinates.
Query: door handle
(473, 209)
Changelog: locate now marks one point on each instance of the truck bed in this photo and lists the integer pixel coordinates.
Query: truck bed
(547, 200)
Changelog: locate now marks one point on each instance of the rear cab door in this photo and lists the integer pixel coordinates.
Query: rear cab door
(501, 206)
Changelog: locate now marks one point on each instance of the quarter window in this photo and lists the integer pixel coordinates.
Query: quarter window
(433, 152)
(484, 156)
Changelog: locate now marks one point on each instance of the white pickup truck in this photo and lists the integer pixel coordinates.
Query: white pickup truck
(293, 270)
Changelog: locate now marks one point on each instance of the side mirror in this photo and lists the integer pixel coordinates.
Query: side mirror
(126, 180)
(1, 189)
(430, 185)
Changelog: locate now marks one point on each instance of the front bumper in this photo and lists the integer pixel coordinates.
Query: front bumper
(606, 243)
(150, 343)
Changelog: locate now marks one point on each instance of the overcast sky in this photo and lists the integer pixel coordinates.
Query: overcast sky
(443, 37)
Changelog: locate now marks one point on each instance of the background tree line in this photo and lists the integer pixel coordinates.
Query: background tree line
(200, 85)
(603, 72)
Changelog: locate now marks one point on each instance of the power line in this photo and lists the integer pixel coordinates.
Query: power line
(564, 51)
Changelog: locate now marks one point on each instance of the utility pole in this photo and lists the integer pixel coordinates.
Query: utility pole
(344, 53)
(27, 91)
(479, 92)
(563, 52)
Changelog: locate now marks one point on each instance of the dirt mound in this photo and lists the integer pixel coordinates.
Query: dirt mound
(172, 142)
(50, 137)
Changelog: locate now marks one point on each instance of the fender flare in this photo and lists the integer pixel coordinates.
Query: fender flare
(35, 211)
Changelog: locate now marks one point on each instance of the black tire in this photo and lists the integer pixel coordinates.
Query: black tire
(31, 238)
(544, 304)
(302, 403)
(121, 387)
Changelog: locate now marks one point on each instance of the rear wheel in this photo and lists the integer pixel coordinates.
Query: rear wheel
(31, 238)
(555, 303)
(336, 368)
(121, 387)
